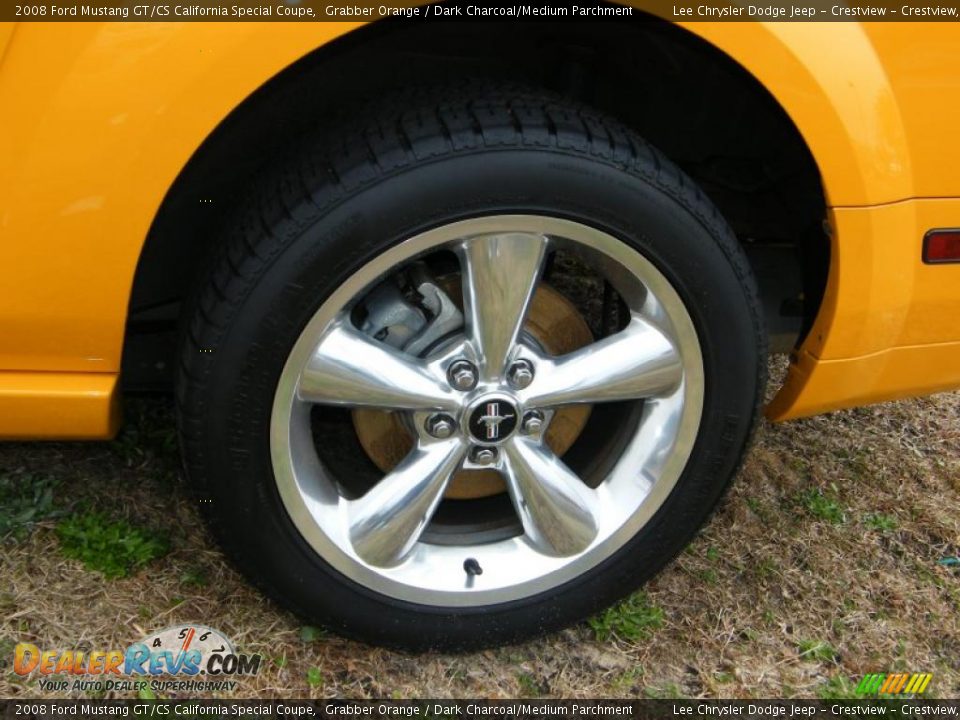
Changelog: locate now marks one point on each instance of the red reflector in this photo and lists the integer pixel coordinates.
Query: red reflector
(941, 246)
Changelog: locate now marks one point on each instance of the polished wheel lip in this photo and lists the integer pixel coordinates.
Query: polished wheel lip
(522, 566)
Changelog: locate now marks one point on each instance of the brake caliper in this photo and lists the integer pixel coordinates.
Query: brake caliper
(411, 312)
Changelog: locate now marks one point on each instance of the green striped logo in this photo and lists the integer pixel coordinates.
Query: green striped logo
(894, 683)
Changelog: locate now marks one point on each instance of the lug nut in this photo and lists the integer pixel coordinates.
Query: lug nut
(441, 426)
(483, 455)
(462, 375)
(520, 374)
(532, 422)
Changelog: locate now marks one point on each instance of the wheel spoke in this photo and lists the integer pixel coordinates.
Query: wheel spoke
(500, 274)
(557, 510)
(386, 523)
(637, 362)
(350, 368)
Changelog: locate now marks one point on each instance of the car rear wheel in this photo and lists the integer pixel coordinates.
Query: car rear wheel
(468, 371)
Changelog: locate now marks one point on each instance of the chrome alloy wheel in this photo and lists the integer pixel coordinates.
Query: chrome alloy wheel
(568, 524)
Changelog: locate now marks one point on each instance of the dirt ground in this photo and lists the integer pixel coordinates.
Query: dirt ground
(829, 558)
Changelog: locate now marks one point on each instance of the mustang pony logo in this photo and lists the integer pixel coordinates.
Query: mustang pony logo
(492, 420)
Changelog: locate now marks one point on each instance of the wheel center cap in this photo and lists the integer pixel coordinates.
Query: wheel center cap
(492, 419)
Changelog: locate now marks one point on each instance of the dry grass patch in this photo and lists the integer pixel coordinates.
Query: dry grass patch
(822, 564)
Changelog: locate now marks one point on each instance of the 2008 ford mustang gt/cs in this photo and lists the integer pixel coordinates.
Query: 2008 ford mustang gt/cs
(467, 324)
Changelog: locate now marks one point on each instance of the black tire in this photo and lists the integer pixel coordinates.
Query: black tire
(342, 199)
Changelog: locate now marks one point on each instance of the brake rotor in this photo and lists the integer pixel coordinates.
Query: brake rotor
(554, 322)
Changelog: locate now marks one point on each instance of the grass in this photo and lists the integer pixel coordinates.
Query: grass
(881, 522)
(314, 677)
(633, 619)
(816, 650)
(529, 688)
(822, 506)
(824, 561)
(112, 547)
(664, 692)
(626, 682)
(839, 687)
(766, 568)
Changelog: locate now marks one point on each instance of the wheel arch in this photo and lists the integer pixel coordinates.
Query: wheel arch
(829, 80)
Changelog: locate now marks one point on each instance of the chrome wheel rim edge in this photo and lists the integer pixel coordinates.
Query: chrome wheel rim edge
(433, 575)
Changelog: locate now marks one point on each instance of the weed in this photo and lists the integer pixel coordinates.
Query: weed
(314, 677)
(194, 577)
(757, 509)
(664, 692)
(881, 522)
(632, 619)
(25, 500)
(709, 576)
(766, 568)
(148, 429)
(627, 680)
(822, 507)
(528, 685)
(112, 547)
(309, 633)
(816, 650)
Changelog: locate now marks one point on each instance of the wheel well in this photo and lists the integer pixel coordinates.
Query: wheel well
(704, 111)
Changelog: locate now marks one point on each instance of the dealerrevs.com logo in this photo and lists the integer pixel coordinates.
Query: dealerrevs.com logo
(180, 651)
